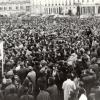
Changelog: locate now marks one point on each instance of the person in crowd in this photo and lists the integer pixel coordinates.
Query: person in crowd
(43, 94)
(52, 89)
(32, 78)
(12, 95)
(26, 96)
(72, 45)
(68, 87)
(82, 96)
(9, 86)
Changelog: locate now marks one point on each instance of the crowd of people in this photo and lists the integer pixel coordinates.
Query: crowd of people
(47, 58)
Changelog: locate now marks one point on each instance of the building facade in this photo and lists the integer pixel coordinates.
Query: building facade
(8, 7)
(80, 7)
(63, 7)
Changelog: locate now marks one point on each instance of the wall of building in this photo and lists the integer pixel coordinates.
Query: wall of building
(86, 7)
(12, 7)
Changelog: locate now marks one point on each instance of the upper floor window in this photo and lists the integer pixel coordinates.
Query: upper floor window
(21, 7)
(10, 8)
(1, 8)
(27, 8)
(16, 7)
(78, 1)
(5, 8)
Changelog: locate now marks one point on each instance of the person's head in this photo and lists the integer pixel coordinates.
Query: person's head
(93, 60)
(30, 68)
(82, 91)
(41, 86)
(69, 76)
(9, 81)
(51, 81)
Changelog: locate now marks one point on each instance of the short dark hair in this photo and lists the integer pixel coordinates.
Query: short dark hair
(69, 75)
(51, 80)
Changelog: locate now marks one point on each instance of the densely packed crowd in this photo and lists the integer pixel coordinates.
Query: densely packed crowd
(48, 58)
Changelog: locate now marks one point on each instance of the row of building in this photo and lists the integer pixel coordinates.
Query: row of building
(80, 7)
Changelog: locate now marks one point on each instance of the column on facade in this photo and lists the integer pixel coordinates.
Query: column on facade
(47, 11)
(83, 10)
(88, 10)
(57, 10)
(51, 10)
(93, 9)
(80, 10)
(96, 9)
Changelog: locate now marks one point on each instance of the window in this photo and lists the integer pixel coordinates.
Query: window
(93, 10)
(83, 10)
(5, 8)
(10, 8)
(16, 7)
(99, 10)
(49, 11)
(46, 10)
(82, 0)
(87, 0)
(89, 10)
(45, 4)
(54, 10)
(70, 3)
(27, 8)
(57, 11)
(56, 4)
(1, 8)
(21, 7)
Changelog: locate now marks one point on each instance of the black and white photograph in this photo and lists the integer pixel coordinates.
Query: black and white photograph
(49, 49)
